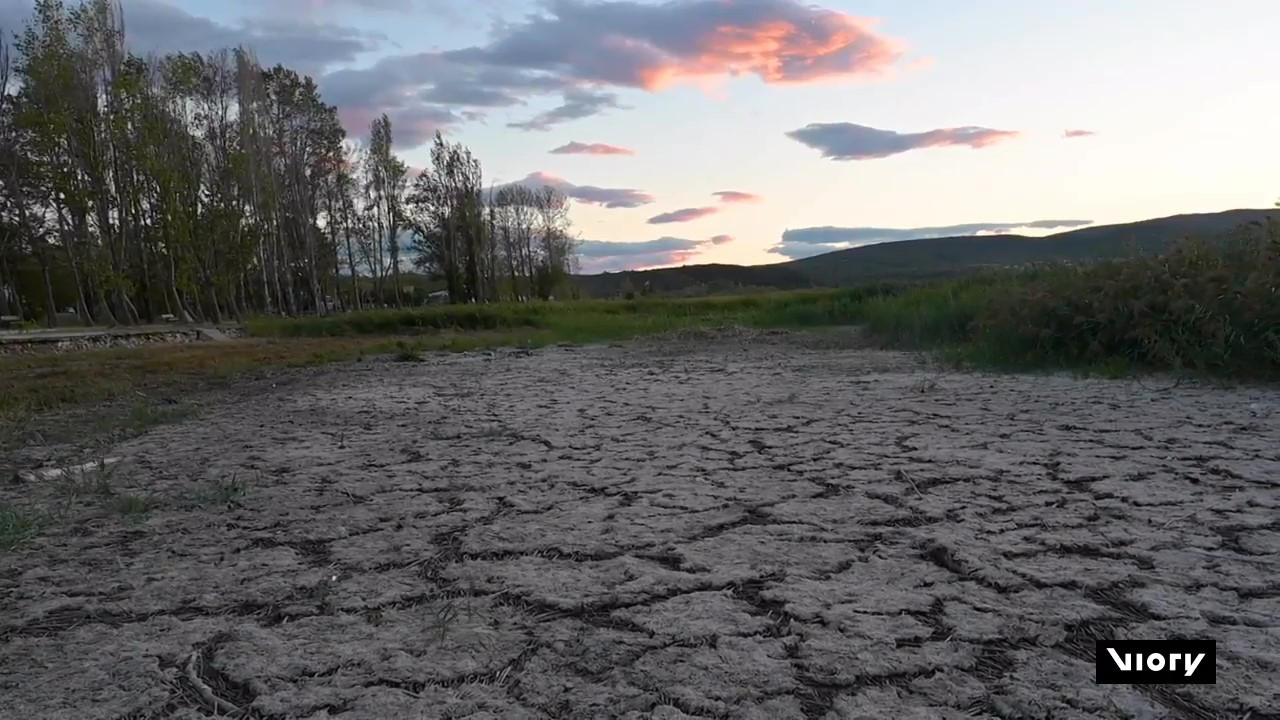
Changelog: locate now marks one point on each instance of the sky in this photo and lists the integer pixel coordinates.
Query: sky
(756, 131)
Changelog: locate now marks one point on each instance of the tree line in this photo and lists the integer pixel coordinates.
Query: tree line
(206, 187)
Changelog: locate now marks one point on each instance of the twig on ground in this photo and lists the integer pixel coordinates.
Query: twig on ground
(905, 476)
(216, 703)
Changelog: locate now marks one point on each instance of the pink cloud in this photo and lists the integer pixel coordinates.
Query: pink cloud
(779, 41)
(577, 148)
(683, 215)
(721, 239)
(1078, 133)
(847, 141)
(735, 196)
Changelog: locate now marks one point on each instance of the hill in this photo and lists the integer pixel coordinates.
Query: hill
(929, 258)
(695, 280)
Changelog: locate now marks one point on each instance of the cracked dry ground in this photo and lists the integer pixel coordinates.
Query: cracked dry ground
(734, 530)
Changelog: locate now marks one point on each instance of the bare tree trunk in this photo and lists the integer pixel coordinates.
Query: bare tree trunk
(9, 280)
(51, 310)
(82, 307)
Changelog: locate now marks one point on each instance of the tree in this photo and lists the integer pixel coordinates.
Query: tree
(206, 187)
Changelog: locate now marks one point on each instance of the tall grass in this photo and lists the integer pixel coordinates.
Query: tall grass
(585, 320)
(1208, 308)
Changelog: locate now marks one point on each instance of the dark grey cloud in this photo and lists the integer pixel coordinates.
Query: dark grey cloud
(583, 50)
(847, 141)
(435, 80)
(577, 104)
(599, 256)
(650, 45)
(453, 92)
(301, 43)
(805, 242)
(410, 126)
(682, 215)
(614, 198)
(594, 249)
(799, 251)
(400, 6)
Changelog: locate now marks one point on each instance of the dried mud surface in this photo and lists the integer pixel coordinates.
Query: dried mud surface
(728, 529)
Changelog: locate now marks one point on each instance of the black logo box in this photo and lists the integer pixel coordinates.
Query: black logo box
(1156, 662)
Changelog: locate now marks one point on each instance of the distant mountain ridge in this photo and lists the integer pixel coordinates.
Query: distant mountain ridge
(929, 258)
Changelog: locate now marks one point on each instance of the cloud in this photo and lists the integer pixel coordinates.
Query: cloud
(683, 215)
(599, 256)
(1078, 133)
(799, 251)
(846, 141)
(410, 127)
(453, 92)
(590, 194)
(583, 51)
(650, 46)
(577, 104)
(301, 43)
(806, 242)
(735, 196)
(577, 148)
(378, 5)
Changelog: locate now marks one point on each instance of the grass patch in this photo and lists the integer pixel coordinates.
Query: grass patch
(37, 383)
(226, 491)
(133, 506)
(1208, 309)
(583, 320)
(75, 486)
(17, 526)
(406, 353)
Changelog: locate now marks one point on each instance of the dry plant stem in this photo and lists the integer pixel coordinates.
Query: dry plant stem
(216, 703)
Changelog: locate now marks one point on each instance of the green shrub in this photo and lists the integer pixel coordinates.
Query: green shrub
(1210, 308)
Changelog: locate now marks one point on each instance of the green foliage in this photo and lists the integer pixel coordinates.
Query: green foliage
(1209, 308)
(227, 491)
(585, 320)
(17, 526)
(406, 353)
(133, 506)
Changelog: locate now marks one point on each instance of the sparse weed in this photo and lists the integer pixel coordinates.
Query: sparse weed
(17, 526)
(924, 385)
(226, 490)
(446, 614)
(406, 352)
(133, 506)
(96, 479)
(143, 417)
(76, 485)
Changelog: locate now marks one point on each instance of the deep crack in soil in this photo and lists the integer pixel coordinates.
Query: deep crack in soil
(729, 528)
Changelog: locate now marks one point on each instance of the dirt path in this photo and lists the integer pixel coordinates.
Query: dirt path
(745, 530)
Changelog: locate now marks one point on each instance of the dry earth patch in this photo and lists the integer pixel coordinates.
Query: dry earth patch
(748, 527)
